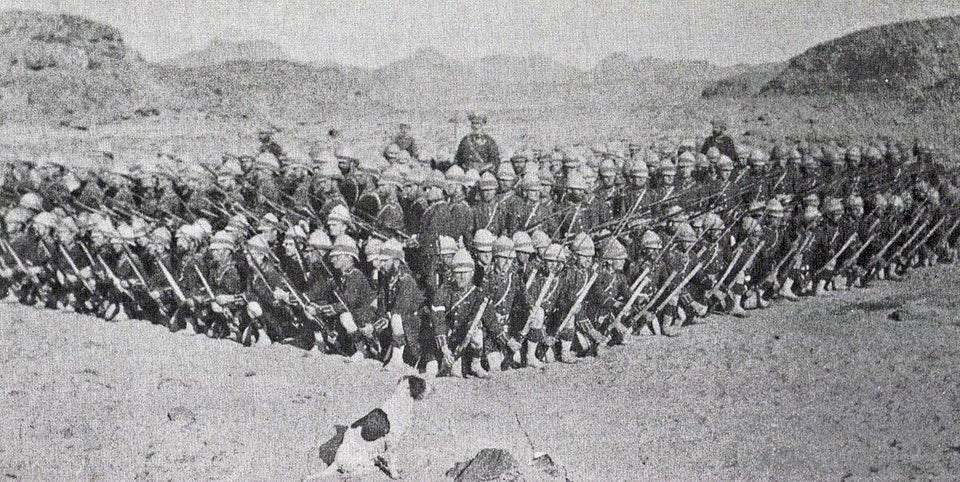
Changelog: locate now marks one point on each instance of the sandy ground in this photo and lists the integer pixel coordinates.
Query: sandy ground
(827, 388)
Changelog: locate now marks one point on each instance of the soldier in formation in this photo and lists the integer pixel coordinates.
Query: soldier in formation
(491, 264)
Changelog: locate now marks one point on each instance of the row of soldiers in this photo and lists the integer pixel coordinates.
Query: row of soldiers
(539, 258)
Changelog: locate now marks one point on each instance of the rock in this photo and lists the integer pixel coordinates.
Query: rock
(178, 414)
(898, 315)
(488, 464)
(542, 462)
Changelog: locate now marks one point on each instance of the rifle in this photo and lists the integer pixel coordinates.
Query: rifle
(837, 255)
(540, 297)
(733, 262)
(473, 326)
(879, 254)
(139, 275)
(912, 238)
(20, 264)
(794, 251)
(856, 256)
(73, 266)
(635, 290)
(581, 295)
(925, 238)
(686, 279)
(172, 282)
(114, 278)
(749, 261)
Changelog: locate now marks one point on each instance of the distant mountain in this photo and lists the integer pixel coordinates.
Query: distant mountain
(533, 69)
(918, 58)
(272, 89)
(743, 80)
(220, 51)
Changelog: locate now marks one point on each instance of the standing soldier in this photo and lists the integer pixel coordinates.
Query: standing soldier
(477, 149)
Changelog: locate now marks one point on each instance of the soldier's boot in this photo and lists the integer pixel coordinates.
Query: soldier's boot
(431, 368)
(736, 309)
(621, 334)
(670, 326)
(839, 283)
(566, 352)
(698, 308)
(359, 346)
(762, 302)
(821, 288)
(476, 366)
(892, 274)
(532, 360)
(496, 361)
(786, 290)
(396, 359)
(192, 328)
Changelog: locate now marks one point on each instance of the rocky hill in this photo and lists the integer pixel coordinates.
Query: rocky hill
(220, 51)
(71, 71)
(919, 59)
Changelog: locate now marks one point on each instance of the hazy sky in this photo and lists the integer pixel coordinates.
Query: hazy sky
(372, 33)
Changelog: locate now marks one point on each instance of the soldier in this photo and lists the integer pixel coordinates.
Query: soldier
(575, 278)
(454, 311)
(720, 139)
(483, 253)
(352, 184)
(608, 194)
(544, 291)
(519, 162)
(505, 290)
(350, 300)
(459, 217)
(326, 192)
(405, 141)
(611, 290)
(477, 149)
(486, 205)
(506, 179)
(531, 210)
(398, 299)
(685, 166)
(390, 214)
(227, 284)
(578, 214)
